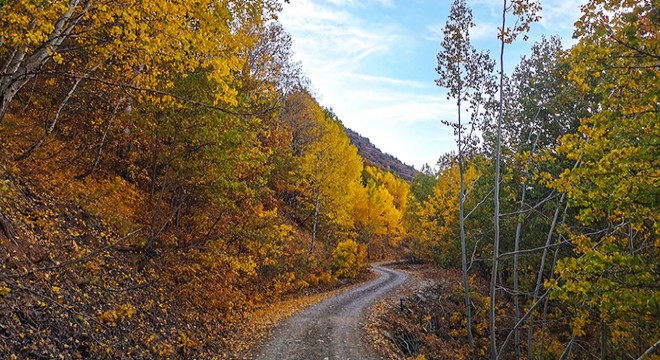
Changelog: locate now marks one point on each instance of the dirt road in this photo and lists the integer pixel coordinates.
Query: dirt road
(331, 329)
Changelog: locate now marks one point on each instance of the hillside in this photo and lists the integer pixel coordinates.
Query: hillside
(375, 156)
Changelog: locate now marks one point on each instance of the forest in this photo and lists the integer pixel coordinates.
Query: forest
(168, 177)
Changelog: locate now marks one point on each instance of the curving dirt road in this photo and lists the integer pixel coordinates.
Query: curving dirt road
(331, 329)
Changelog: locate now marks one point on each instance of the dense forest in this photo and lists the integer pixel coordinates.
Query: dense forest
(166, 172)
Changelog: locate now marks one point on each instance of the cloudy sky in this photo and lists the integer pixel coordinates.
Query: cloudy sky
(373, 62)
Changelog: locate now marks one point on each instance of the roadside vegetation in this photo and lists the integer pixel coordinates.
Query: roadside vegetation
(168, 181)
(556, 204)
(165, 174)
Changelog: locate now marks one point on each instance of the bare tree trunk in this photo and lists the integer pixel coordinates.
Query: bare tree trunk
(516, 287)
(520, 322)
(154, 174)
(154, 220)
(53, 122)
(496, 215)
(21, 68)
(568, 349)
(539, 277)
(516, 246)
(461, 217)
(317, 206)
(103, 137)
(552, 271)
(653, 348)
(603, 340)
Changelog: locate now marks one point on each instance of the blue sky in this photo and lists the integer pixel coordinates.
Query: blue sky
(373, 62)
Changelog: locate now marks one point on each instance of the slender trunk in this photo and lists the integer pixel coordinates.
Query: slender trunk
(22, 68)
(568, 349)
(516, 248)
(496, 215)
(152, 236)
(461, 218)
(317, 205)
(182, 200)
(653, 348)
(154, 173)
(56, 117)
(603, 340)
(552, 271)
(516, 287)
(105, 134)
(539, 276)
(521, 321)
(10, 84)
(53, 122)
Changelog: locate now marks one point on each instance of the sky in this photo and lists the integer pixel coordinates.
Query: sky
(373, 62)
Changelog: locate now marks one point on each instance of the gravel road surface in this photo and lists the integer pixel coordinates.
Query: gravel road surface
(331, 329)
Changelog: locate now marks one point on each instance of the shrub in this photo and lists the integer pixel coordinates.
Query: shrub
(349, 259)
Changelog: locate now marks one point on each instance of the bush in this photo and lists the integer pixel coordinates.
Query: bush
(349, 259)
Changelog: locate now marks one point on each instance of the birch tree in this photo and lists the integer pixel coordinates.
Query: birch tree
(525, 12)
(466, 74)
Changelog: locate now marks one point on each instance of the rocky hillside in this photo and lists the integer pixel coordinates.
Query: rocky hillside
(376, 157)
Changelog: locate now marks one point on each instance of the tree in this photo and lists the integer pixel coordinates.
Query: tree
(329, 167)
(541, 106)
(439, 222)
(526, 13)
(422, 184)
(615, 188)
(378, 210)
(466, 74)
(127, 46)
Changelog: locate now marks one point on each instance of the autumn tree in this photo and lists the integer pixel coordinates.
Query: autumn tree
(327, 170)
(437, 218)
(525, 12)
(122, 46)
(610, 283)
(378, 210)
(466, 73)
(160, 121)
(421, 189)
(541, 106)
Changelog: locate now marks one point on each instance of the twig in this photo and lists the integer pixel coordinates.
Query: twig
(650, 350)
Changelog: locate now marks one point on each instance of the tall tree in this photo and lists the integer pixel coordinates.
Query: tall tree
(329, 169)
(125, 45)
(466, 73)
(613, 274)
(525, 12)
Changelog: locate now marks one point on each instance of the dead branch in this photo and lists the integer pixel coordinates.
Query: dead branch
(8, 229)
(650, 350)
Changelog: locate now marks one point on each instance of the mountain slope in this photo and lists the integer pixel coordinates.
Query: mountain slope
(376, 157)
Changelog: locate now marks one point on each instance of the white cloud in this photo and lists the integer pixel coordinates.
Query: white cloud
(341, 51)
(559, 17)
(361, 3)
(327, 39)
(387, 3)
(344, 2)
(376, 70)
(399, 116)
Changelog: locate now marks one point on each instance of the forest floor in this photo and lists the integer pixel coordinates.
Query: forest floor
(425, 318)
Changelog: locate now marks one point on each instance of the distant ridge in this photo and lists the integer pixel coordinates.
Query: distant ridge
(377, 158)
